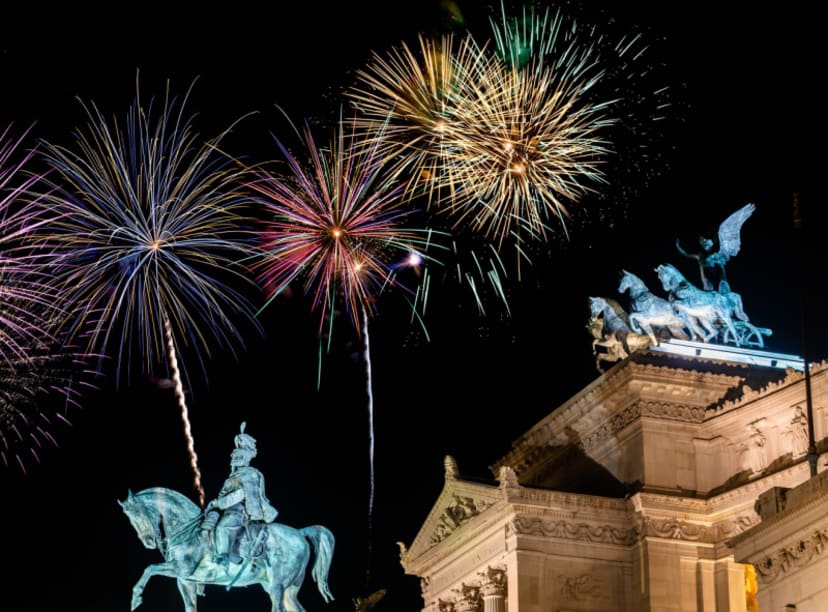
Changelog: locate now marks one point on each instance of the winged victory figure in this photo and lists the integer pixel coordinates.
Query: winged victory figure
(711, 260)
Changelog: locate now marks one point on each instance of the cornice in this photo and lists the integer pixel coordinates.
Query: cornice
(523, 497)
(804, 498)
(625, 392)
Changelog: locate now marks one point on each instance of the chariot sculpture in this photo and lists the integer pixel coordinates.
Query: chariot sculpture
(684, 311)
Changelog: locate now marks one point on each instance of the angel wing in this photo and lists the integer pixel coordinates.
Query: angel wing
(729, 231)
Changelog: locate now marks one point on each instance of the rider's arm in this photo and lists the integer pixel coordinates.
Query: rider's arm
(230, 499)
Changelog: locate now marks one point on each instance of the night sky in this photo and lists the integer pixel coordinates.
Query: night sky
(746, 129)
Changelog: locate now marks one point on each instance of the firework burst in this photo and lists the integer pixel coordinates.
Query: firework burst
(337, 225)
(37, 391)
(34, 368)
(523, 145)
(509, 140)
(496, 146)
(613, 63)
(149, 233)
(405, 98)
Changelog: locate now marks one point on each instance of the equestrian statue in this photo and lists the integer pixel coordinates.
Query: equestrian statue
(235, 542)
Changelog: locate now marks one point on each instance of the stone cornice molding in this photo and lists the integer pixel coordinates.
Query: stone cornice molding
(485, 538)
(742, 495)
(688, 377)
(749, 395)
(607, 391)
(616, 423)
(617, 393)
(643, 408)
(568, 502)
(815, 497)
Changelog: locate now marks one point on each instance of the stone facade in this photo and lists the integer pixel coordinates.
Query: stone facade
(629, 496)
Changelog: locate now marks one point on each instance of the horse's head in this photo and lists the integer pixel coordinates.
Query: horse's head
(628, 281)
(141, 519)
(669, 276)
(596, 306)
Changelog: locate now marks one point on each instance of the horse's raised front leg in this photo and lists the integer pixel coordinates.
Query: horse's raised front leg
(641, 326)
(156, 569)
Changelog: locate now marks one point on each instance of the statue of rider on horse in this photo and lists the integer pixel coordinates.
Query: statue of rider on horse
(240, 500)
(234, 542)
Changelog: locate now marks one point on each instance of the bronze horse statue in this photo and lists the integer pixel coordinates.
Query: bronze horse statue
(708, 313)
(611, 331)
(276, 556)
(650, 313)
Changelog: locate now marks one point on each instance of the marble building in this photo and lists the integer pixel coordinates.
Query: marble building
(678, 480)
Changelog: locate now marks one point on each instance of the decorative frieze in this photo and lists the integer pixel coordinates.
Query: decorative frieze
(661, 410)
(644, 526)
(606, 534)
(674, 412)
(697, 532)
(791, 558)
(616, 423)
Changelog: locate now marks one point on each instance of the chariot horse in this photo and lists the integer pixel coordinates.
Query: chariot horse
(611, 331)
(706, 312)
(648, 311)
(275, 556)
(748, 333)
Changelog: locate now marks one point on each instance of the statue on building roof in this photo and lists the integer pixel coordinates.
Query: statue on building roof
(713, 313)
(716, 252)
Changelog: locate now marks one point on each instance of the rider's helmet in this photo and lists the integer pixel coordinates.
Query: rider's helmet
(245, 443)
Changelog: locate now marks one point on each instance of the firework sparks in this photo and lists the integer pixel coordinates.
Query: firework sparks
(148, 242)
(405, 97)
(506, 139)
(36, 393)
(34, 369)
(337, 226)
(501, 149)
(522, 146)
(613, 64)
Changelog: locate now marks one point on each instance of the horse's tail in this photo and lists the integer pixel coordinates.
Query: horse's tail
(323, 546)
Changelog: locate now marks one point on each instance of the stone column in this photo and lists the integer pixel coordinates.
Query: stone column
(493, 590)
(494, 598)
